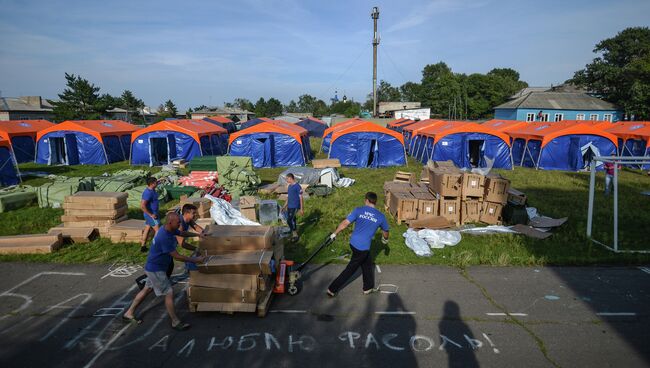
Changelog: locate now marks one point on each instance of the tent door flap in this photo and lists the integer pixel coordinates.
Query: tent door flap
(476, 152)
(158, 151)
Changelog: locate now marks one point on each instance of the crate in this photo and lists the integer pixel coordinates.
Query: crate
(325, 163)
(403, 206)
(496, 189)
(427, 204)
(394, 186)
(472, 186)
(491, 213)
(445, 182)
(424, 175)
(404, 177)
(516, 197)
(470, 211)
(450, 209)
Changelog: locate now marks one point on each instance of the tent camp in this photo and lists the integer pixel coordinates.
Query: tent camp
(400, 124)
(367, 144)
(468, 145)
(8, 170)
(253, 122)
(633, 138)
(421, 144)
(165, 141)
(85, 142)
(271, 144)
(222, 122)
(315, 127)
(411, 132)
(22, 135)
(327, 134)
(560, 145)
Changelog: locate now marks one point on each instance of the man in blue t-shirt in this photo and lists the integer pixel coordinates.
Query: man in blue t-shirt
(293, 205)
(367, 220)
(162, 254)
(149, 206)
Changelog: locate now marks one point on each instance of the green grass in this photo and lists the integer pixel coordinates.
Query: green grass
(554, 193)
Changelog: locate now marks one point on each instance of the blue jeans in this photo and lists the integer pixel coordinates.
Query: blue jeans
(291, 219)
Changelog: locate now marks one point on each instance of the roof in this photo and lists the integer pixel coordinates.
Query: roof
(223, 110)
(546, 132)
(557, 101)
(365, 126)
(415, 128)
(527, 90)
(455, 127)
(631, 130)
(193, 128)
(395, 122)
(342, 125)
(9, 128)
(277, 126)
(219, 119)
(96, 128)
(440, 126)
(504, 125)
(25, 103)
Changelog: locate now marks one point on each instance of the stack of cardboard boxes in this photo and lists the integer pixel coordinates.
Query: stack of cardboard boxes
(407, 201)
(237, 273)
(99, 210)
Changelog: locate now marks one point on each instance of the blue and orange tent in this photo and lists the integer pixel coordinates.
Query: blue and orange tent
(422, 137)
(365, 144)
(22, 135)
(468, 145)
(411, 133)
(327, 134)
(84, 142)
(633, 138)
(271, 144)
(8, 170)
(315, 127)
(165, 141)
(253, 122)
(222, 122)
(399, 124)
(560, 145)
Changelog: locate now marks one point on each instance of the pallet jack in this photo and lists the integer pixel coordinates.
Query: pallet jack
(287, 279)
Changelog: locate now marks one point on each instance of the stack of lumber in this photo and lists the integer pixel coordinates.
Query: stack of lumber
(128, 231)
(30, 244)
(96, 210)
(237, 273)
(74, 235)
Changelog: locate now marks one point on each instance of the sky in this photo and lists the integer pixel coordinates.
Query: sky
(211, 52)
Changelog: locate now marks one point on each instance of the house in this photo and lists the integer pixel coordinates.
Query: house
(25, 108)
(554, 105)
(293, 117)
(232, 113)
(387, 109)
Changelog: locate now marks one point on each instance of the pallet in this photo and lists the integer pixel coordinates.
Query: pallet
(404, 177)
(261, 308)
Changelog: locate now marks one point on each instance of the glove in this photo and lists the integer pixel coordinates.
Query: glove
(332, 236)
(384, 240)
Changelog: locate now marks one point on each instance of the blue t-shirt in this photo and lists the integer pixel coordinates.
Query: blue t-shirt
(293, 194)
(163, 243)
(152, 200)
(367, 220)
(185, 226)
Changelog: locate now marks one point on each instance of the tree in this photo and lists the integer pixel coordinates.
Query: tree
(292, 106)
(79, 100)
(260, 108)
(167, 110)
(200, 108)
(273, 107)
(133, 105)
(320, 108)
(621, 74)
(243, 104)
(348, 108)
(410, 91)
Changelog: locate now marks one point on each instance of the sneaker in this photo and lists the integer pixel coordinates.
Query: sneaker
(330, 294)
(370, 291)
(144, 249)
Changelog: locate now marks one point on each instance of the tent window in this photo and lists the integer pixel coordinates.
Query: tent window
(475, 152)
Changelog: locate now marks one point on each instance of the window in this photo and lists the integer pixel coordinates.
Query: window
(530, 116)
(558, 117)
(607, 117)
(580, 117)
(593, 117)
(545, 117)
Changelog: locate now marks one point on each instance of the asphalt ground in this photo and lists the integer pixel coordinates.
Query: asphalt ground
(425, 316)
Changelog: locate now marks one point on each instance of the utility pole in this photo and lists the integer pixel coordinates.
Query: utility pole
(375, 43)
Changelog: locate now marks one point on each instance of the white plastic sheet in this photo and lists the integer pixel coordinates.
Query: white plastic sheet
(438, 239)
(223, 213)
(416, 244)
(492, 229)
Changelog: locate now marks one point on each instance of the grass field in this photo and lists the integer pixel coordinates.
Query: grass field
(554, 193)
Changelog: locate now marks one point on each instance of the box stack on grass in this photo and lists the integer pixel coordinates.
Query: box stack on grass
(30, 244)
(248, 207)
(97, 210)
(237, 274)
(407, 201)
(129, 231)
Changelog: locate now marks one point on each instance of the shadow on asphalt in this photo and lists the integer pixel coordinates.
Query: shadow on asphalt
(452, 325)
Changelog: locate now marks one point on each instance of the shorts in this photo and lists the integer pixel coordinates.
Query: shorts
(159, 282)
(151, 221)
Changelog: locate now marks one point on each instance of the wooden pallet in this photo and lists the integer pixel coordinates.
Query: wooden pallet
(404, 177)
(261, 307)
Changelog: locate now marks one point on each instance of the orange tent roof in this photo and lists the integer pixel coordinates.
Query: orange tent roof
(193, 128)
(420, 124)
(600, 124)
(453, 127)
(631, 130)
(219, 119)
(405, 123)
(342, 125)
(546, 131)
(396, 122)
(96, 128)
(439, 126)
(504, 125)
(366, 126)
(276, 126)
(5, 143)
(10, 128)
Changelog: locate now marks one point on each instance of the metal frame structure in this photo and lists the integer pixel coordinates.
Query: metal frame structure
(616, 160)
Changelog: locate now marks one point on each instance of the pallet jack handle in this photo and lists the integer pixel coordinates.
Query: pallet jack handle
(324, 244)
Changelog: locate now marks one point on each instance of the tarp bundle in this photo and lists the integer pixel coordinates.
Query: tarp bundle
(53, 194)
(199, 179)
(237, 179)
(16, 197)
(309, 176)
(223, 213)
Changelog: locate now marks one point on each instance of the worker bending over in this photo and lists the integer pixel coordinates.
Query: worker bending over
(367, 220)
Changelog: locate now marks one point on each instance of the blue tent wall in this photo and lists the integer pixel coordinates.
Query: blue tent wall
(115, 149)
(277, 150)
(326, 143)
(186, 147)
(8, 172)
(90, 151)
(250, 123)
(518, 146)
(455, 147)
(560, 153)
(125, 140)
(422, 148)
(314, 128)
(24, 148)
(353, 149)
(219, 144)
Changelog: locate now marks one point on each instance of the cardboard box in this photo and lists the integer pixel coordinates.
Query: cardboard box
(403, 206)
(496, 189)
(404, 177)
(224, 281)
(218, 295)
(472, 185)
(516, 197)
(424, 175)
(252, 263)
(450, 209)
(491, 213)
(234, 238)
(97, 197)
(202, 205)
(427, 204)
(392, 187)
(445, 182)
(250, 213)
(470, 211)
(30, 244)
(325, 163)
(247, 201)
(435, 222)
